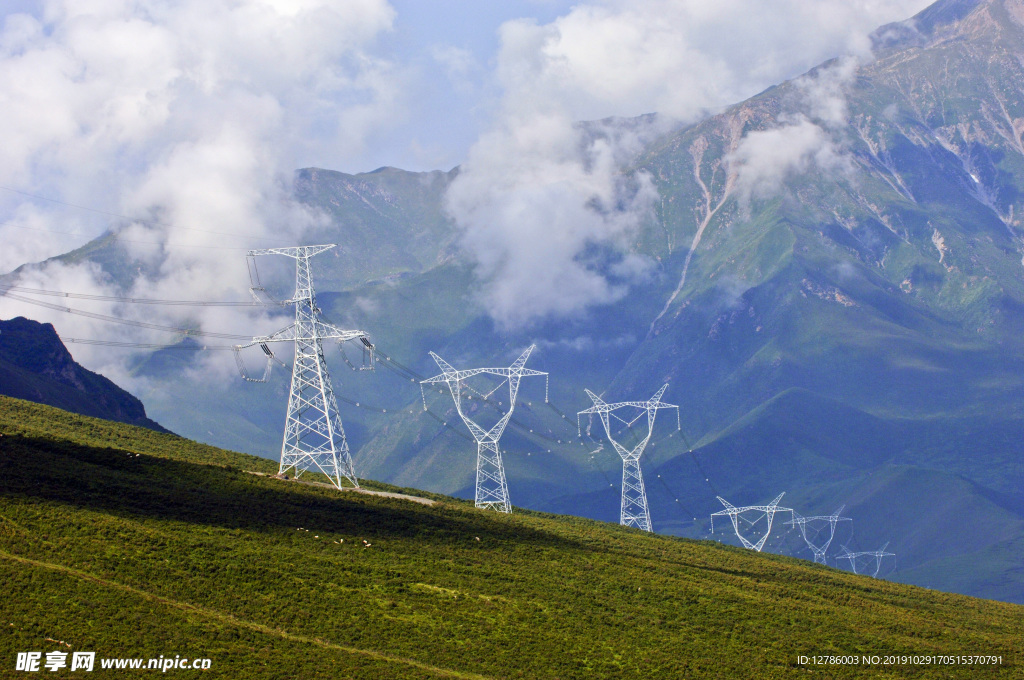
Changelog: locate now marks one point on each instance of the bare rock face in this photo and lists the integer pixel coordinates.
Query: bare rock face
(36, 366)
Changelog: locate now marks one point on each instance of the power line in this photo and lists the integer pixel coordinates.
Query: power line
(445, 424)
(675, 497)
(127, 322)
(143, 345)
(138, 301)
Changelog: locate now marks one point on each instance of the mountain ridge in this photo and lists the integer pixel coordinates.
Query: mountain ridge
(35, 365)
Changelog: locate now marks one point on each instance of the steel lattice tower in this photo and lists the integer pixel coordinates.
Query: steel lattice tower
(877, 554)
(833, 519)
(735, 513)
(491, 488)
(314, 438)
(633, 511)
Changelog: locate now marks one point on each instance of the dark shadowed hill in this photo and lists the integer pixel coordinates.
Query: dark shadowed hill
(35, 365)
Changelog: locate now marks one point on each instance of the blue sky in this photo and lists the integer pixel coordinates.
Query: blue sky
(448, 118)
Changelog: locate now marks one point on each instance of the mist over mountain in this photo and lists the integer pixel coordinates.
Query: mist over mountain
(829, 275)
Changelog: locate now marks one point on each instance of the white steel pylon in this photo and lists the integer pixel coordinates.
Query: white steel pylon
(633, 510)
(491, 488)
(833, 519)
(877, 554)
(735, 514)
(314, 438)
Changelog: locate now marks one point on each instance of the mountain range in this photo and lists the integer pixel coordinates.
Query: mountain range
(836, 299)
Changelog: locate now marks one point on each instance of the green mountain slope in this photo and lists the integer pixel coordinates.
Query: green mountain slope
(134, 544)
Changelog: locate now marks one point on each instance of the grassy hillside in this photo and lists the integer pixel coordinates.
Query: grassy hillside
(126, 542)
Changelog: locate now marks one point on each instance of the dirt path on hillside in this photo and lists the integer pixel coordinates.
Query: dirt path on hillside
(370, 492)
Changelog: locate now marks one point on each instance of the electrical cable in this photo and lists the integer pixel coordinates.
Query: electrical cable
(693, 457)
(127, 322)
(143, 345)
(138, 301)
(675, 497)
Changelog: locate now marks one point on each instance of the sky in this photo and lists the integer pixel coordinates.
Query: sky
(181, 124)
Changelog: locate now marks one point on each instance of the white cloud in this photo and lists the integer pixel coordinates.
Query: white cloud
(824, 92)
(535, 198)
(527, 192)
(190, 117)
(765, 159)
(680, 57)
(196, 112)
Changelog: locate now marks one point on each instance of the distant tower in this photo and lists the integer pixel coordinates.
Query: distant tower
(633, 511)
(877, 554)
(313, 436)
(491, 489)
(811, 541)
(735, 514)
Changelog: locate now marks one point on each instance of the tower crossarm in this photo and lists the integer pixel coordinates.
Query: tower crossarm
(331, 332)
(824, 518)
(295, 251)
(456, 376)
(729, 507)
(599, 403)
(288, 334)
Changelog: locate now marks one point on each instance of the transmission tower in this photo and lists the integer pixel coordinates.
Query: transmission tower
(491, 489)
(314, 438)
(877, 554)
(811, 541)
(736, 514)
(633, 511)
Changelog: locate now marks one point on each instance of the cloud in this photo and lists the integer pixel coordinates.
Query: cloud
(680, 58)
(546, 213)
(823, 92)
(766, 159)
(190, 118)
(458, 64)
(533, 195)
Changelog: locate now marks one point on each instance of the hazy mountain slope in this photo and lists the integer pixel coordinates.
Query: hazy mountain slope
(35, 365)
(888, 290)
(393, 221)
(153, 544)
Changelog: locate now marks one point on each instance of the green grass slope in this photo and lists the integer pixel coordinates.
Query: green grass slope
(130, 543)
